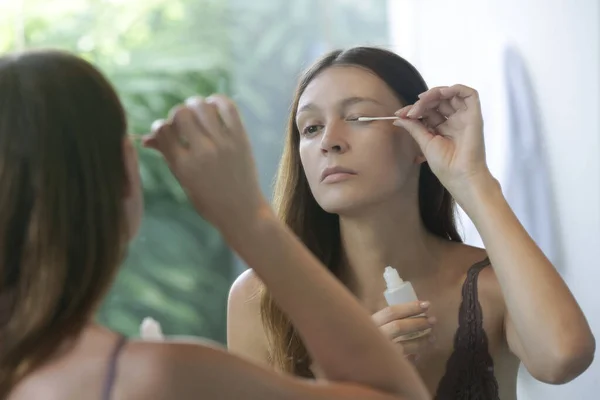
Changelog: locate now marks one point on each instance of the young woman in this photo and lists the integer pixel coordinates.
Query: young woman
(365, 195)
(71, 201)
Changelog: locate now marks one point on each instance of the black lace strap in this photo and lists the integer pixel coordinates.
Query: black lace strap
(470, 369)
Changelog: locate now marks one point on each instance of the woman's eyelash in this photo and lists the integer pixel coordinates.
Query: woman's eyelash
(311, 129)
(355, 119)
(306, 131)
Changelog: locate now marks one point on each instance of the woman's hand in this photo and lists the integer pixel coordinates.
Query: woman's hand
(206, 147)
(407, 325)
(447, 124)
(538, 302)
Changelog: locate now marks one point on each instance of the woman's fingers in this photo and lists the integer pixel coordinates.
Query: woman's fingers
(445, 108)
(446, 100)
(403, 328)
(186, 126)
(164, 139)
(399, 311)
(468, 95)
(432, 118)
(207, 116)
(229, 114)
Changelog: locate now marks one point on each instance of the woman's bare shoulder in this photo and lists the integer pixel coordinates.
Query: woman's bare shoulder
(247, 287)
(487, 281)
(488, 287)
(159, 369)
(465, 257)
(201, 370)
(244, 302)
(246, 335)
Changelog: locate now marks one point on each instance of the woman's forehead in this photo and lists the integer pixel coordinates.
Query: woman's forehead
(335, 84)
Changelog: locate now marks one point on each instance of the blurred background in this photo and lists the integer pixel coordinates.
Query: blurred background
(536, 64)
(159, 52)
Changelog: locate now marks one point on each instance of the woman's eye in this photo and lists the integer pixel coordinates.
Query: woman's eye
(311, 130)
(354, 119)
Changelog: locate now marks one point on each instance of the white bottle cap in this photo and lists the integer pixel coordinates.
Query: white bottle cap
(392, 279)
(150, 329)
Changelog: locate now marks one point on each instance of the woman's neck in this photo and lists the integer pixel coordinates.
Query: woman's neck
(386, 237)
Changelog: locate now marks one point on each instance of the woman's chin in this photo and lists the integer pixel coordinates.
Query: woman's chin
(342, 208)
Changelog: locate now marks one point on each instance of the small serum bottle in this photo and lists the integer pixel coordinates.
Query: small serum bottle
(401, 292)
(398, 291)
(150, 329)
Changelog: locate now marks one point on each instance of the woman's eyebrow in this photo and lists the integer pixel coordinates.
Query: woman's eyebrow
(343, 104)
(350, 101)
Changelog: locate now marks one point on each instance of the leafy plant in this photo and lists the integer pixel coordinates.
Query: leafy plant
(157, 53)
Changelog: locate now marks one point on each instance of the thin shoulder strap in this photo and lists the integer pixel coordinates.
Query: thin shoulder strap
(470, 368)
(470, 313)
(112, 368)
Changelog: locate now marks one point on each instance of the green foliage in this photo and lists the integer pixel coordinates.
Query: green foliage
(178, 270)
(157, 53)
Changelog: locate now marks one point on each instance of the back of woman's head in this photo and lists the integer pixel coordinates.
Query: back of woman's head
(297, 207)
(63, 177)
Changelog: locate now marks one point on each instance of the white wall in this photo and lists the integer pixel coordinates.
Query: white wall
(454, 41)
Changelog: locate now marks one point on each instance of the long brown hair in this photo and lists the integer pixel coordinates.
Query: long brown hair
(62, 225)
(319, 230)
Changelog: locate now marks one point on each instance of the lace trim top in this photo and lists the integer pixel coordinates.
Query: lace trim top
(470, 369)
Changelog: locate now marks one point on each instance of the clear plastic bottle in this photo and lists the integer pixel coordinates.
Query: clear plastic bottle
(150, 329)
(401, 292)
(398, 291)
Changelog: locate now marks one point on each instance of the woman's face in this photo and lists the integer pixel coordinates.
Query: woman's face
(351, 165)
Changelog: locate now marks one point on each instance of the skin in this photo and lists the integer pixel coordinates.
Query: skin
(205, 153)
(529, 313)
